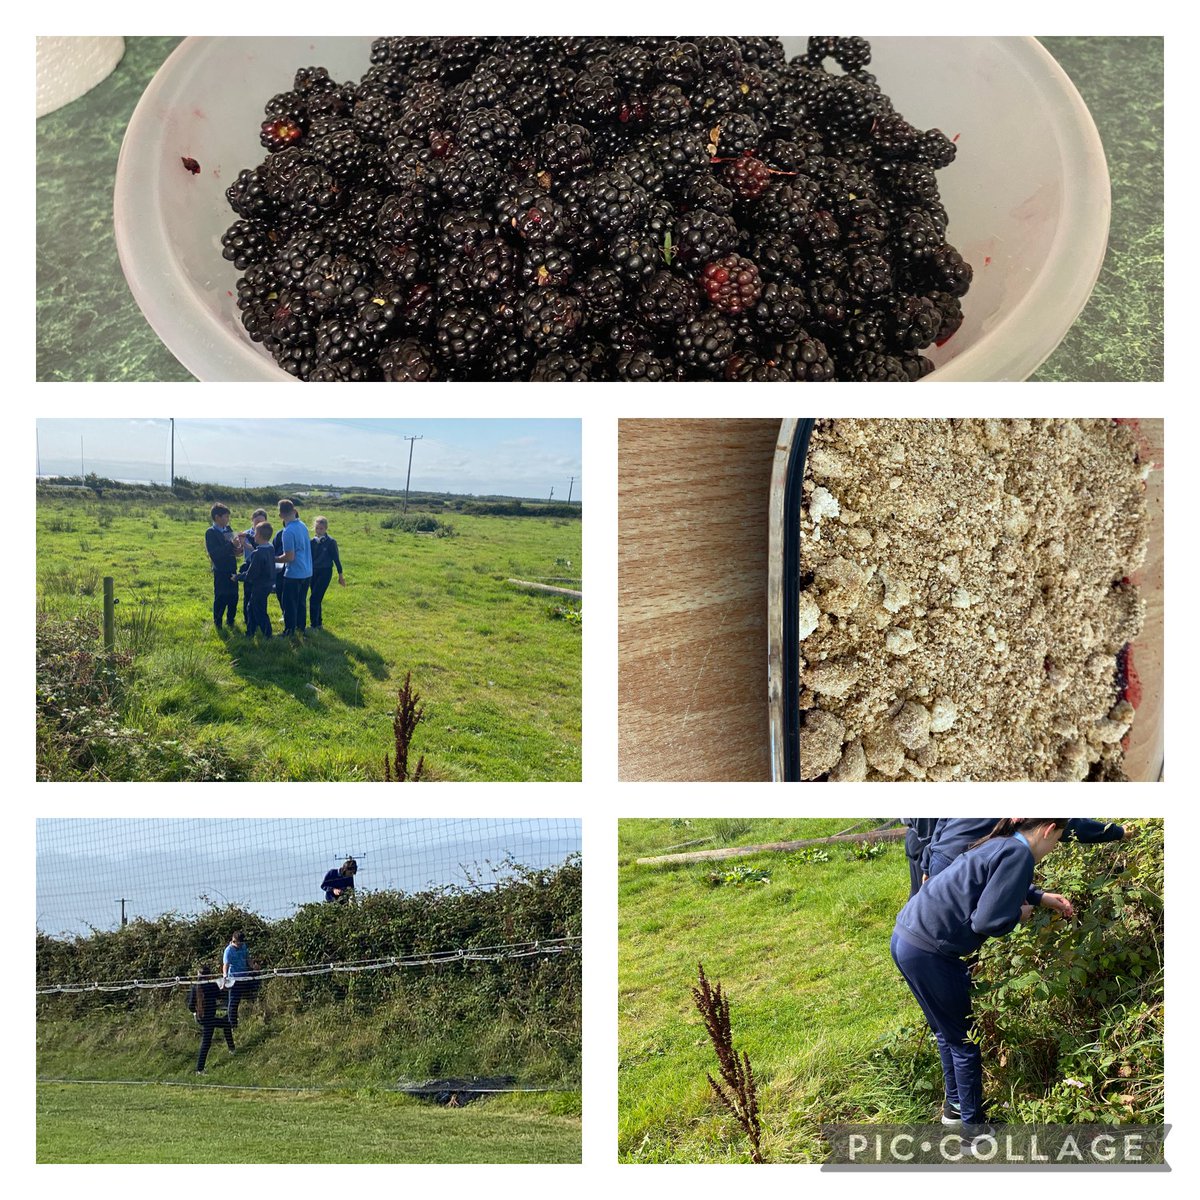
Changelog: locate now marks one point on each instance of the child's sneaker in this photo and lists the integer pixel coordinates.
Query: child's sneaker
(951, 1113)
(978, 1141)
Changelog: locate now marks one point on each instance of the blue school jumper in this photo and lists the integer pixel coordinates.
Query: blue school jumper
(219, 544)
(916, 843)
(977, 897)
(259, 577)
(324, 559)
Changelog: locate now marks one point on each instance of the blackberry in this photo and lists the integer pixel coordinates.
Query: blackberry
(636, 257)
(338, 338)
(705, 235)
(565, 149)
(681, 152)
(705, 342)
(493, 266)
(407, 361)
(949, 271)
(373, 116)
(917, 236)
(866, 332)
(595, 97)
(893, 137)
(780, 308)
(850, 53)
(312, 193)
(463, 335)
(467, 178)
(547, 265)
(341, 152)
(563, 367)
(911, 182)
(668, 301)
(603, 292)
(872, 367)
(403, 216)
(248, 196)
(277, 133)
(494, 130)
(532, 215)
(706, 191)
(915, 322)
(667, 106)
(952, 315)
(485, 89)
(935, 149)
(869, 275)
(751, 368)
(644, 170)
(827, 301)
(804, 358)
(643, 366)
(732, 283)
(332, 280)
(747, 177)
(732, 135)
(247, 242)
(615, 202)
(551, 318)
(678, 63)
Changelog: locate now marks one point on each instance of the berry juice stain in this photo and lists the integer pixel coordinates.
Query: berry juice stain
(190, 164)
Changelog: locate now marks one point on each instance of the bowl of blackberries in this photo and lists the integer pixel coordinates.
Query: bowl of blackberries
(604, 209)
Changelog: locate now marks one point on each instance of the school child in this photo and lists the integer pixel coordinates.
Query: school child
(203, 999)
(324, 559)
(223, 547)
(916, 841)
(259, 577)
(982, 894)
(235, 965)
(338, 886)
(247, 535)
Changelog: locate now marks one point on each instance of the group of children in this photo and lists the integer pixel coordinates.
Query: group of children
(971, 878)
(290, 564)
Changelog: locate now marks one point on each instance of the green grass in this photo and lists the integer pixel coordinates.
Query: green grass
(804, 960)
(155, 1123)
(500, 678)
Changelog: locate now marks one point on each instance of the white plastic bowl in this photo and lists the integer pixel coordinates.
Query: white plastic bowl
(1028, 196)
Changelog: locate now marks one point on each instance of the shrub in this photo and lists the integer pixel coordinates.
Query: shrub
(417, 523)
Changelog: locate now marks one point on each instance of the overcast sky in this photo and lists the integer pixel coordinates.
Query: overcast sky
(473, 457)
(85, 866)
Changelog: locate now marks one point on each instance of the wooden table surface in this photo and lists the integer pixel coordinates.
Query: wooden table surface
(692, 590)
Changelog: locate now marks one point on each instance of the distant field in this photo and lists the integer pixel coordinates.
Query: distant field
(499, 669)
(112, 1123)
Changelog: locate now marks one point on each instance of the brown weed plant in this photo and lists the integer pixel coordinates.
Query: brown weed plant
(409, 713)
(739, 1093)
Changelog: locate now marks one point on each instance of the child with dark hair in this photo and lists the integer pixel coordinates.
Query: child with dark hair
(919, 833)
(223, 546)
(203, 999)
(247, 535)
(259, 577)
(982, 894)
(338, 885)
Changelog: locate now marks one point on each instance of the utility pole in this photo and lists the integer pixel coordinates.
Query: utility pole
(411, 442)
(37, 433)
(172, 454)
(82, 474)
(551, 497)
(571, 489)
(121, 902)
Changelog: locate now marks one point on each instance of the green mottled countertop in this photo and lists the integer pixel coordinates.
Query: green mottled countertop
(90, 328)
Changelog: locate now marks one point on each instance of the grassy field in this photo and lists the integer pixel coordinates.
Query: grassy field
(112, 1123)
(499, 669)
(803, 958)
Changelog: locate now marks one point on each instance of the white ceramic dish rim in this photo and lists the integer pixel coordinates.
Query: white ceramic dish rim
(1065, 281)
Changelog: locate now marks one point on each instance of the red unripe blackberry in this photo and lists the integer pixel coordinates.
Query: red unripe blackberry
(748, 177)
(277, 133)
(732, 283)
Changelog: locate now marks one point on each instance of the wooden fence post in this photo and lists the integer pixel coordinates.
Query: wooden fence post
(108, 613)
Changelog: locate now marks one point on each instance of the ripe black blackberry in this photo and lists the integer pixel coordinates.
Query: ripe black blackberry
(551, 318)
(668, 301)
(495, 130)
(249, 197)
(703, 236)
(404, 216)
(952, 315)
(341, 152)
(915, 321)
(681, 152)
(733, 134)
(603, 293)
(463, 335)
(643, 366)
(565, 149)
(636, 257)
(373, 116)
(706, 191)
(546, 265)
(467, 178)
(780, 309)
(247, 242)
(732, 283)
(332, 280)
(850, 53)
(703, 344)
(407, 361)
(595, 97)
(667, 106)
(644, 169)
(563, 367)
(935, 149)
(804, 358)
(615, 202)
(949, 271)
(872, 367)
(532, 215)
(868, 276)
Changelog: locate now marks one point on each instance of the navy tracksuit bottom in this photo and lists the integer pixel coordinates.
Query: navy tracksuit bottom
(320, 583)
(208, 1027)
(256, 612)
(295, 605)
(942, 987)
(225, 598)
